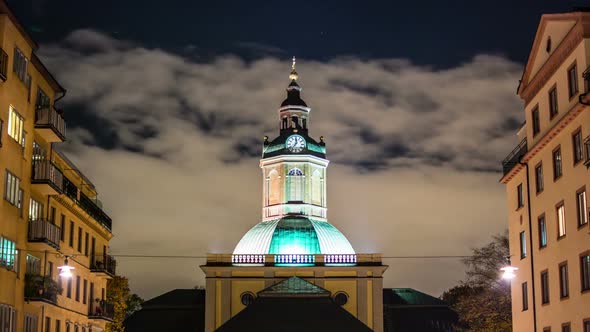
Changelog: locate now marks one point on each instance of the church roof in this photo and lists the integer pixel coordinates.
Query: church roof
(294, 287)
(409, 296)
(293, 96)
(294, 235)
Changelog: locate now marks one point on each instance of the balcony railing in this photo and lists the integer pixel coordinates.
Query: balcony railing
(41, 288)
(103, 264)
(86, 203)
(100, 309)
(293, 259)
(514, 157)
(47, 117)
(3, 65)
(45, 172)
(44, 231)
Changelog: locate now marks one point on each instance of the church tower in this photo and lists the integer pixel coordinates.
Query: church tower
(294, 237)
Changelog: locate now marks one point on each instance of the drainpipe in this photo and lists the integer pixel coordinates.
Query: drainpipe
(528, 194)
(60, 97)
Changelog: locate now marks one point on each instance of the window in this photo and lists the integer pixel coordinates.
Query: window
(577, 146)
(57, 325)
(47, 324)
(12, 191)
(316, 188)
(566, 327)
(86, 244)
(71, 240)
(35, 210)
(8, 254)
(585, 271)
(67, 327)
(42, 99)
(52, 215)
(525, 297)
(560, 220)
(79, 239)
(587, 150)
(564, 288)
(295, 177)
(545, 287)
(50, 269)
(587, 325)
(536, 121)
(16, 126)
(582, 207)
(557, 169)
(33, 265)
(539, 185)
(572, 80)
(273, 188)
(78, 288)
(553, 103)
(522, 244)
(542, 232)
(519, 196)
(546, 329)
(30, 323)
(85, 291)
(7, 318)
(69, 288)
(19, 64)
(62, 234)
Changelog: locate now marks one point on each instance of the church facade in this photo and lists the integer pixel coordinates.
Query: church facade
(294, 237)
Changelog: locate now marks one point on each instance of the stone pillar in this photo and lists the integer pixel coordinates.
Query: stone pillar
(210, 305)
(362, 300)
(378, 304)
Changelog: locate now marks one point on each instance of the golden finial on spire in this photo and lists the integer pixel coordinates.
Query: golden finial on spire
(293, 76)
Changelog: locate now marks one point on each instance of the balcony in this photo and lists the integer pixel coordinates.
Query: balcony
(41, 288)
(3, 65)
(50, 124)
(44, 231)
(86, 203)
(100, 309)
(514, 157)
(47, 178)
(104, 264)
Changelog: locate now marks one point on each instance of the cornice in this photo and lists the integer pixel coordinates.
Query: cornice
(67, 203)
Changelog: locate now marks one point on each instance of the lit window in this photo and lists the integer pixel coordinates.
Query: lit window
(545, 287)
(577, 146)
(35, 210)
(8, 254)
(572, 80)
(553, 103)
(295, 177)
(536, 121)
(7, 318)
(273, 188)
(582, 207)
(30, 323)
(12, 191)
(542, 232)
(316, 188)
(16, 127)
(519, 196)
(522, 244)
(525, 297)
(560, 221)
(585, 271)
(539, 185)
(557, 165)
(564, 289)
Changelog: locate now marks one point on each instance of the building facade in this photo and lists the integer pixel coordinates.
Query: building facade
(49, 211)
(547, 181)
(294, 238)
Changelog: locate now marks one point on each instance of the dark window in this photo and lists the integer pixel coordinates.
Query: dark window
(47, 324)
(67, 327)
(553, 103)
(566, 328)
(582, 207)
(71, 239)
(542, 232)
(525, 297)
(57, 325)
(341, 298)
(19, 65)
(548, 45)
(3, 65)
(86, 244)
(577, 145)
(585, 271)
(572, 80)
(546, 329)
(545, 287)
(522, 244)
(557, 165)
(539, 185)
(42, 99)
(536, 121)
(69, 288)
(564, 288)
(62, 225)
(587, 325)
(247, 298)
(50, 269)
(519, 196)
(78, 288)
(79, 239)
(85, 291)
(52, 215)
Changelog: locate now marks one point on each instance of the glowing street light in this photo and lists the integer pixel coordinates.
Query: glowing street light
(508, 272)
(65, 270)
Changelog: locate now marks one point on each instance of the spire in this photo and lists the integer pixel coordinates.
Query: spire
(293, 76)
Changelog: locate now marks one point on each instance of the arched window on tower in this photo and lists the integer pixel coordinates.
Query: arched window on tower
(295, 177)
(273, 188)
(316, 188)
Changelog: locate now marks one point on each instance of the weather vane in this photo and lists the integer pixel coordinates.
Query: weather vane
(293, 76)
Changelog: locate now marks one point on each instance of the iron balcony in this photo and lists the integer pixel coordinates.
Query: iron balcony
(47, 178)
(50, 123)
(44, 231)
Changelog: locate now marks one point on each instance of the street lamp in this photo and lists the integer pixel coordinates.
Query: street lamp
(65, 270)
(508, 272)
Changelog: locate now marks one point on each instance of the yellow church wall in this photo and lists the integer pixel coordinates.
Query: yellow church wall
(288, 273)
(370, 303)
(218, 303)
(238, 287)
(347, 286)
(247, 274)
(340, 273)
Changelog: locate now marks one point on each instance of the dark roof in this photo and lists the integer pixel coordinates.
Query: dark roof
(294, 305)
(177, 310)
(409, 296)
(293, 96)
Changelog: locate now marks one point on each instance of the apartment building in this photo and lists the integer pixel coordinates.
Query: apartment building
(547, 180)
(49, 214)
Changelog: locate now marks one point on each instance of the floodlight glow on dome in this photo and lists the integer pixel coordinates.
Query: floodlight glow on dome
(508, 272)
(65, 270)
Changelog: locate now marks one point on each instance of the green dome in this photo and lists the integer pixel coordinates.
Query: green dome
(293, 235)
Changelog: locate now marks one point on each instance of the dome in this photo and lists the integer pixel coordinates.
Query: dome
(294, 235)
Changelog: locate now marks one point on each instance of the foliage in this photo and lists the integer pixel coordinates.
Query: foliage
(483, 299)
(124, 302)
(41, 287)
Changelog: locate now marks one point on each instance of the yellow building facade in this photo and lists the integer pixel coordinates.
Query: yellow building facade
(547, 181)
(49, 210)
(294, 238)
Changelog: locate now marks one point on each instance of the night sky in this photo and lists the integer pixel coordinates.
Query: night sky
(168, 102)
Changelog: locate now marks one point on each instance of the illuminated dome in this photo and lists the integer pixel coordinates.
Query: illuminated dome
(294, 235)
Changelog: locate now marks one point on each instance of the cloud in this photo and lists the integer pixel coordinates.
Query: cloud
(173, 147)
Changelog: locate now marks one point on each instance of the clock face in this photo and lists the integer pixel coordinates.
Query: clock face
(295, 143)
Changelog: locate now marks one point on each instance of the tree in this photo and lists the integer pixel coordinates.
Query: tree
(134, 303)
(482, 300)
(117, 295)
